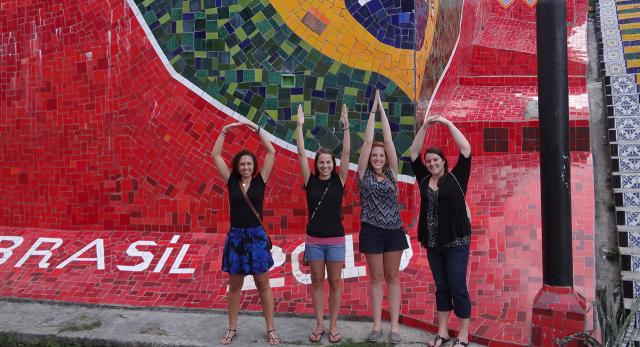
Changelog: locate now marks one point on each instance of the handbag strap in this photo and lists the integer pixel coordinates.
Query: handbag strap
(459, 186)
(246, 198)
(319, 202)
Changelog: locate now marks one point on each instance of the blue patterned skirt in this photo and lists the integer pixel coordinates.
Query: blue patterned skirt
(246, 251)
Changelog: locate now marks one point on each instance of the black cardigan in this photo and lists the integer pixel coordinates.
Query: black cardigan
(453, 221)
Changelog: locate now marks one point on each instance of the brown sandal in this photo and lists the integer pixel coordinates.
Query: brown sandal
(272, 338)
(335, 338)
(316, 337)
(228, 338)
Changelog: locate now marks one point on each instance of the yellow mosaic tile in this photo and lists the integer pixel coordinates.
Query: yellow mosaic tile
(346, 41)
(628, 15)
(633, 63)
(629, 26)
(632, 49)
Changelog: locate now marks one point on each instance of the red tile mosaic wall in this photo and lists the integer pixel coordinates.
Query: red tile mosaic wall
(505, 265)
(100, 142)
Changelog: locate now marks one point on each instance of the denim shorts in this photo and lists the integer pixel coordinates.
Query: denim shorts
(324, 252)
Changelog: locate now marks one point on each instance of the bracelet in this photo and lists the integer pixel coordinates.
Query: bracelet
(345, 129)
(258, 130)
(223, 133)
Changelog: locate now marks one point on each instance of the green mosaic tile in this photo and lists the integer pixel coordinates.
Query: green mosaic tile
(239, 51)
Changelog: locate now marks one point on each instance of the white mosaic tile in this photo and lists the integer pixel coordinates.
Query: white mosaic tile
(626, 106)
(628, 135)
(623, 84)
(629, 150)
(629, 165)
(631, 199)
(611, 42)
(627, 122)
(632, 219)
(630, 181)
(633, 239)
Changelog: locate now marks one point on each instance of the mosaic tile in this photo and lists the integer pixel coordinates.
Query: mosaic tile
(626, 106)
(629, 164)
(632, 219)
(106, 138)
(230, 52)
(392, 22)
(627, 134)
(634, 239)
(627, 122)
(623, 84)
(630, 181)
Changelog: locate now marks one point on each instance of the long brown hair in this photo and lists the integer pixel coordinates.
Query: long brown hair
(235, 162)
(323, 150)
(437, 151)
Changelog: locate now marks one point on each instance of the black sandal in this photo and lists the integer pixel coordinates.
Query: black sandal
(440, 339)
(228, 338)
(272, 339)
(459, 342)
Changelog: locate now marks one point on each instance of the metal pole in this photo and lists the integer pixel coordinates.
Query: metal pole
(553, 105)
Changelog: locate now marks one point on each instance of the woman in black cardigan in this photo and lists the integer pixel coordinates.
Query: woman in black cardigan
(444, 228)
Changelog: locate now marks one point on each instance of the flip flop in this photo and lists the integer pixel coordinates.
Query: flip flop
(335, 338)
(316, 337)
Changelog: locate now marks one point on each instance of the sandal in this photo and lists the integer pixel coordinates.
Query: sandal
(315, 337)
(437, 339)
(228, 338)
(272, 338)
(459, 342)
(335, 338)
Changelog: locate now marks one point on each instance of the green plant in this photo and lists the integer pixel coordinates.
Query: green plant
(613, 323)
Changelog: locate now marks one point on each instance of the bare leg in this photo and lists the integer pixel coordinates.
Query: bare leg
(266, 297)
(463, 335)
(443, 325)
(376, 277)
(391, 261)
(334, 270)
(233, 305)
(317, 296)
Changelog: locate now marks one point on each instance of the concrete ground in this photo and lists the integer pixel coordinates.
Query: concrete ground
(54, 324)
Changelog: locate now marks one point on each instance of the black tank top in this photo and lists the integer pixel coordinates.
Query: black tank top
(241, 214)
(327, 221)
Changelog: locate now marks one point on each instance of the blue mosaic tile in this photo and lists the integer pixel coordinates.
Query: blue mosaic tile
(392, 22)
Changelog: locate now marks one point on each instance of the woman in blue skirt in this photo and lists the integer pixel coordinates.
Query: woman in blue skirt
(247, 247)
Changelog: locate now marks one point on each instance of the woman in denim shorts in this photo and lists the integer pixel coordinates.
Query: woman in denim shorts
(324, 245)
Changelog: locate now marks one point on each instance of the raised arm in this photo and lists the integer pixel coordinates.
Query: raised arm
(346, 145)
(270, 156)
(463, 144)
(365, 151)
(302, 157)
(418, 141)
(392, 156)
(221, 166)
